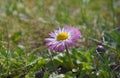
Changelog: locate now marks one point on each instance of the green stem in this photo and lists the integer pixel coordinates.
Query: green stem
(69, 57)
(8, 54)
(51, 58)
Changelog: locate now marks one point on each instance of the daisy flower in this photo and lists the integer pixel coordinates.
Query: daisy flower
(62, 37)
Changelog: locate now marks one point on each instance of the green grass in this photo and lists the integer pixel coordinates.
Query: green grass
(24, 24)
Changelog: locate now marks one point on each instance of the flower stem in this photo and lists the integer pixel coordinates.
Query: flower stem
(69, 57)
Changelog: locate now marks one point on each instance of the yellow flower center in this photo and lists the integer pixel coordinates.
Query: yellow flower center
(62, 36)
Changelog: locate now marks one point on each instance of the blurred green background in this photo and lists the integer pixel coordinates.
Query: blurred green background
(24, 24)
